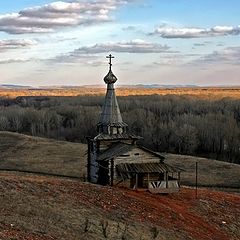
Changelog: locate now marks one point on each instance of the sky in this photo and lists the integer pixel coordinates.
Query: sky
(166, 42)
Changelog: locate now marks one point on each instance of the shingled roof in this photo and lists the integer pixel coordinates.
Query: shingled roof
(128, 170)
(118, 136)
(114, 151)
(120, 148)
(111, 115)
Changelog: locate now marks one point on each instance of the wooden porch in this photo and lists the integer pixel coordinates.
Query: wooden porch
(155, 177)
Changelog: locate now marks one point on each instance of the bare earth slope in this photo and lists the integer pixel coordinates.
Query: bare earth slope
(39, 207)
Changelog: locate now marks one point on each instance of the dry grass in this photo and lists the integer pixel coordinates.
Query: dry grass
(22, 152)
(211, 173)
(205, 93)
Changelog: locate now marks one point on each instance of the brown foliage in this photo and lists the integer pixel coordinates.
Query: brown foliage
(204, 93)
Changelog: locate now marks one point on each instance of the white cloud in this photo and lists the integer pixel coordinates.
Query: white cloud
(49, 17)
(129, 28)
(91, 52)
(13, 60)
(229, 56)
(165, 31)
(16, 43)
(134, 46)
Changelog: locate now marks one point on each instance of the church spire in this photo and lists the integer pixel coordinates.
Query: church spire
(111, 120)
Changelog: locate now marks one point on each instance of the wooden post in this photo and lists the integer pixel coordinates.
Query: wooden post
(196, 180)
(89, 161)
(166, 179)
(136, 184)
(179, 179)
(148, 180)
(112, 172)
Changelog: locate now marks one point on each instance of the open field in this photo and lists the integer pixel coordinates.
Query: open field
(211, 173)
(204, 93)
(22, 152)
(34, 206)
(37, 207)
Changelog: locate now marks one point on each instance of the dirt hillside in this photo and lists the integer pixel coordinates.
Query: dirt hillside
(39, 207)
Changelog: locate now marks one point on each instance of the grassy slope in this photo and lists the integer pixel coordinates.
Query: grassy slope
(23, 152)
(211, 173)
(18, 151)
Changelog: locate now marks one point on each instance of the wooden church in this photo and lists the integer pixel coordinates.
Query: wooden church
(114, 158)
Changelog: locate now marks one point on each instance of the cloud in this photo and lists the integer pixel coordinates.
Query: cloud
(129, 28)
(16, 43)
(91, 52)
(73, 57)
(134, 46)
(199, 44)
(13, 60)
(165, 31)
(230, 55)
(49, 17)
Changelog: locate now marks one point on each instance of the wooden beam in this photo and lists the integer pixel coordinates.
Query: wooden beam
(166, 179)
(112, 171)
(196, 180)
(136, 184)
(179, 179)
(147, 180)
(89, 161)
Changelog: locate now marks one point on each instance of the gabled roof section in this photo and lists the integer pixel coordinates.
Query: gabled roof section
(120, 148)
(115, 150)
(152, 152)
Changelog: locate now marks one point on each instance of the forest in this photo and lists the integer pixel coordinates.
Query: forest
(176, 124)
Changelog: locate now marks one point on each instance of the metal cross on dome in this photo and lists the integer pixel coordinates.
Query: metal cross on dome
(110, 60)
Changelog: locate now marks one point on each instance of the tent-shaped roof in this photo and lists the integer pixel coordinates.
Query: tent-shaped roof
(111, 115)
(111, 122)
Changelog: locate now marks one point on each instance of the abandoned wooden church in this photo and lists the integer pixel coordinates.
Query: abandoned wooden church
(114, 158)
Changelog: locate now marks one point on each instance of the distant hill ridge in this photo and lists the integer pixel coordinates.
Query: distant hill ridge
(13, 86)
(144, 86)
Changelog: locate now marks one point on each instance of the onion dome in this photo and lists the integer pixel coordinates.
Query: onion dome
(110, 78)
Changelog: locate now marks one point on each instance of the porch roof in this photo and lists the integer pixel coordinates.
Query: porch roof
(128, 170)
